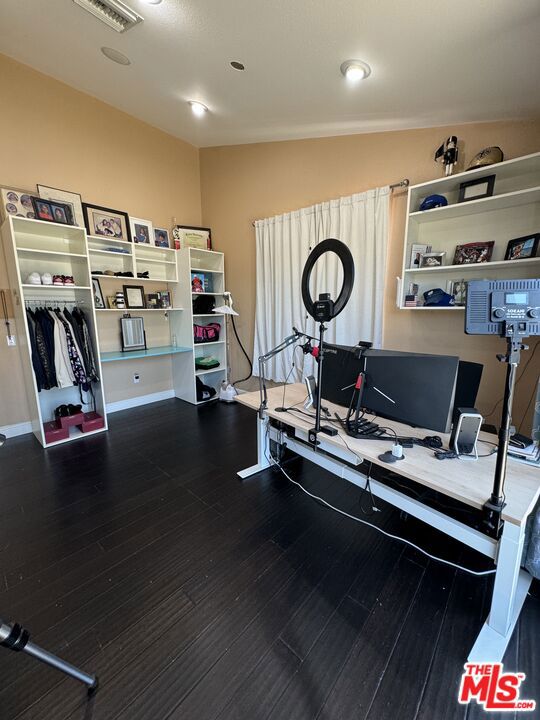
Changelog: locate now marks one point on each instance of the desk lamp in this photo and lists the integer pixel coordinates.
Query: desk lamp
(227, 392)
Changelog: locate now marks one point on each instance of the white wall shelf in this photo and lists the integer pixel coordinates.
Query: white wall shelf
(192, 260)
(42, 247)
(513, 211)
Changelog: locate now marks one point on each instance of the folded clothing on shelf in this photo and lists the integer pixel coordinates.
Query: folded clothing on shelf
(206, 362)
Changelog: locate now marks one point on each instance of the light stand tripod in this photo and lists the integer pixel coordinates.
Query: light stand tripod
(494, 506)
(15, 637)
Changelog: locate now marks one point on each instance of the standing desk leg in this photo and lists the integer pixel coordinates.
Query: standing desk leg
(262, 460)
(509, 593)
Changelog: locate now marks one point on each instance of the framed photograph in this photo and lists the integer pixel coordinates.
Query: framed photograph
(152, 301)
(161, 237)
(476, 189)
(72, 199)
(475, 252)
(111, 302)
(62, 212)
(134, 295)
(141, 231)
(195, 237)
(42, 209)
(432, 259)
(17, 203)
(165, 299)
(523, 247)
(416, 254)
(198, 281)
(105, 222)
(99, 303)
(457, 288)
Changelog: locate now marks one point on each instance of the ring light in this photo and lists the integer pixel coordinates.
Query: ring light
(329, 309)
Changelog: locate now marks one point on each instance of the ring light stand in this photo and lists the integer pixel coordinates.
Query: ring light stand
(325, 309)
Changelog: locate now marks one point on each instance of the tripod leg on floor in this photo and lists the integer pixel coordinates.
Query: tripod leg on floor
(14, 637)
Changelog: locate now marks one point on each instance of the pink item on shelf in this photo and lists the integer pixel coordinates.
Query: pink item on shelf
(67, 421)
(54, 431)
(92, 421)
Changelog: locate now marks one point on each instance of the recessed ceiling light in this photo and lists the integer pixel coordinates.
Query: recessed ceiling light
(355, 70)
(238, 65)
(152, 2)
(116, 56)
(198, 108)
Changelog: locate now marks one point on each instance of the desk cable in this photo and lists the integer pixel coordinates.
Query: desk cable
(273, 461)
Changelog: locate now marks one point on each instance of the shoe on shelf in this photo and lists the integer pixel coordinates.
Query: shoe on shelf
(145, 275)
(57, 280)
(33, 279)
(61, 411)
(46, 279)
(68, 279)
(74, 409)
(109, 272)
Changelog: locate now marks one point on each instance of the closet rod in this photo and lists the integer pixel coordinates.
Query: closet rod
(52, 301)
(401, 184)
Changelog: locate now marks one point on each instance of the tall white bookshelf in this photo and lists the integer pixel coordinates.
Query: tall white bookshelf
(512, 211)
(44, 247)
(212, 265)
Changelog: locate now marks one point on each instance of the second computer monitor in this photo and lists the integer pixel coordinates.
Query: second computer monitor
(413, 388)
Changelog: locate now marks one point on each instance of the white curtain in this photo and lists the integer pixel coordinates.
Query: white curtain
(283, 245)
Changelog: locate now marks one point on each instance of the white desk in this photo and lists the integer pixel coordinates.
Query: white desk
(466, 480)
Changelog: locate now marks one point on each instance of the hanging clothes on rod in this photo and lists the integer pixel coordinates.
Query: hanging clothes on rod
(61, 345)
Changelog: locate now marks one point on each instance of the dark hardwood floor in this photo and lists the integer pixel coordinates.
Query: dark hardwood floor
(139, 555)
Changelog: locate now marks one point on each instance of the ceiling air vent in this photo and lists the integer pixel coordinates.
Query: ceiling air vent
(113, 13)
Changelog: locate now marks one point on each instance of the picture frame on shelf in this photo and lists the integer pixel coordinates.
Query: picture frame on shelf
(106, 222)
(457, 288)
(97, 293)
(199, 238)
(142, 231)
(523, 248)
(476, 189)
(42, 209)
(74, 200)
(17, 203)
(152, 301)
(134, 297)
(198, 282)
(473, 253)
(432, 259)
(165, 300)
(416, 254)
(161, 238)
(111, 302)
(132, 333)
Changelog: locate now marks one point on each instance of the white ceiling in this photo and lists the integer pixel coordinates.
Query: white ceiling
(434, 62)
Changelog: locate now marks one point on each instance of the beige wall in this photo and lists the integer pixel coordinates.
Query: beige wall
(54, 135)
(242, 183)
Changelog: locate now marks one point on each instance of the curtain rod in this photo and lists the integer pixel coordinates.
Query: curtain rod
(401, 184)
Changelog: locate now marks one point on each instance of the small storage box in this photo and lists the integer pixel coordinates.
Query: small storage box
(92, 421)
(54, 431)
(68, 421)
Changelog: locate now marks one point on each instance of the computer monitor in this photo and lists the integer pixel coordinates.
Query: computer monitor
(413, 388)
(341, 365)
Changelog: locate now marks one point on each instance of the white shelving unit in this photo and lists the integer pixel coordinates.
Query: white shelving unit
(43, 247)
(512, 211)
(210, 263)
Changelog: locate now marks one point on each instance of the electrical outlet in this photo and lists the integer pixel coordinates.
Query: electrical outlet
(11, 340)
(136, 378)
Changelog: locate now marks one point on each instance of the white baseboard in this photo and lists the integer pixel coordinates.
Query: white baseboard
(26, 427)
(140, 400)
(17, 429)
